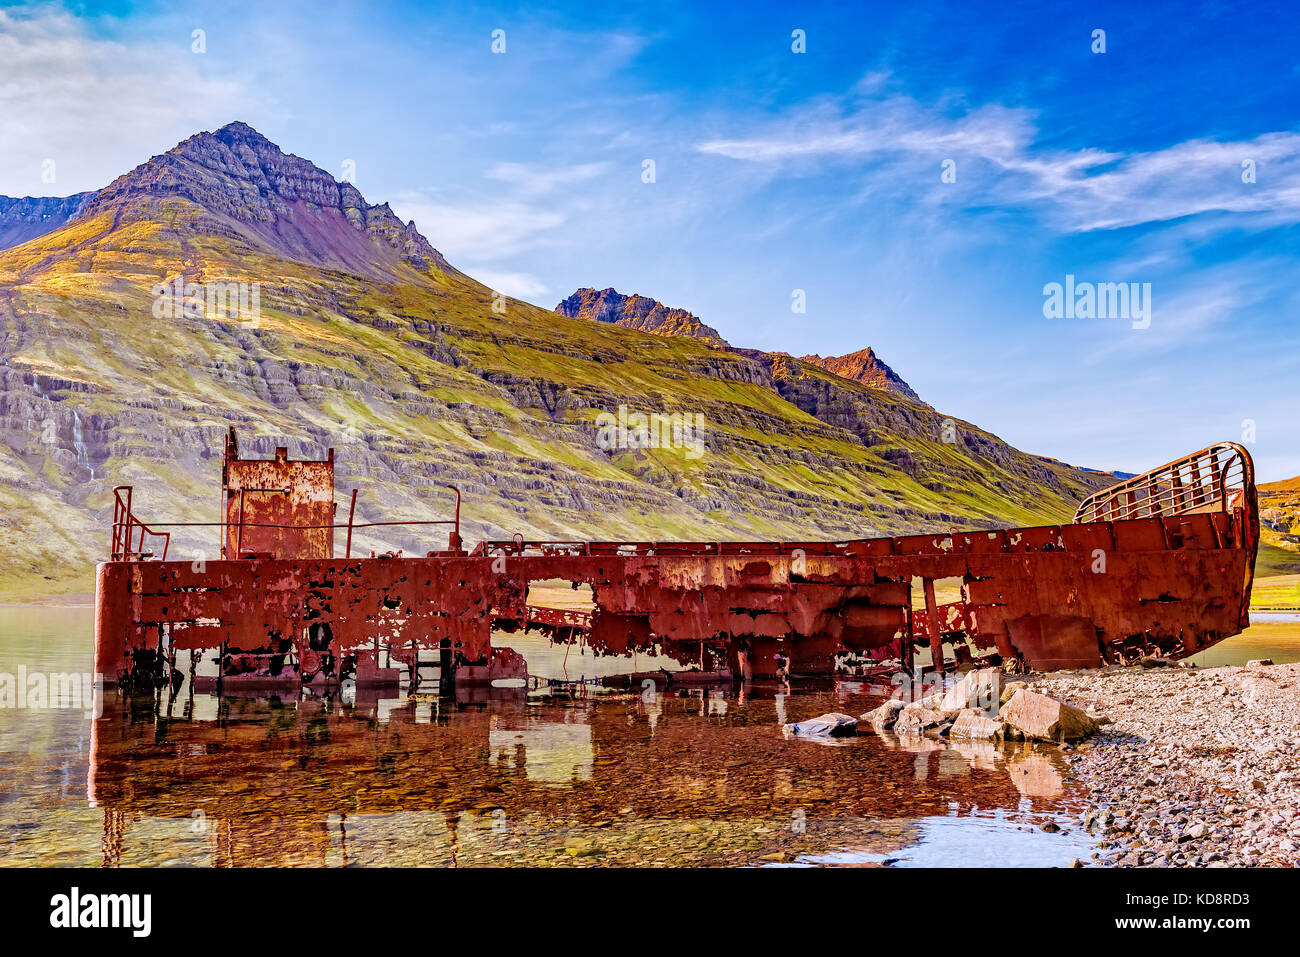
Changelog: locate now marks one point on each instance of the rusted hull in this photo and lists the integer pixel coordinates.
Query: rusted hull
(1068, 596)
(1030, 595)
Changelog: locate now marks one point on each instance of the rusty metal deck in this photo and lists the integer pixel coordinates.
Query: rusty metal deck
(1161, 563)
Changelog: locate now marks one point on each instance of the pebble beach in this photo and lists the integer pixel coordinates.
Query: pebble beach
(1200, 767)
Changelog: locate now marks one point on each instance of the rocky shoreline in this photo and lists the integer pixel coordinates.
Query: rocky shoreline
(1199, 767)
(1180, 766)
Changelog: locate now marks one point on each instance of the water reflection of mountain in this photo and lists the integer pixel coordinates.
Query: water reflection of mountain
(704, 777)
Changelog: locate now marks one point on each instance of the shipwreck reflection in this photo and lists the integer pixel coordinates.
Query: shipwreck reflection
(701, 776)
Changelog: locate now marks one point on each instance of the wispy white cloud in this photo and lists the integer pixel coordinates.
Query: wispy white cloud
(479, 229)
(532, 180)
(1187, 308)
(896, 125)
(89, 103)
(518, 212)
(525, 208)
(520, 285)
(999, 165)
(1197, 176)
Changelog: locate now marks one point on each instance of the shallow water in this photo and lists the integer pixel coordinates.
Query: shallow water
(1272, 634)
(701, 777)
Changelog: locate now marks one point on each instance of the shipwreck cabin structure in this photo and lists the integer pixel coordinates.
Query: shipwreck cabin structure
(1160, 564)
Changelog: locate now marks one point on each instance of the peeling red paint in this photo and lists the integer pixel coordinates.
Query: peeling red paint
(278, 507)
(1161, 563)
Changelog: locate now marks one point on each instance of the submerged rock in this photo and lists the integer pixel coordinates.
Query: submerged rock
(976, 724)
(831, 725)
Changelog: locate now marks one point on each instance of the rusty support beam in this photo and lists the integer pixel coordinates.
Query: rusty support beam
(934, 626)
(352, 508)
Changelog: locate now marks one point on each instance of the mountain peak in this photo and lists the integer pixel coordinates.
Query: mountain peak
(240, 136)
(865, 367)
(637, 312)
(238, 129)
(248, 188)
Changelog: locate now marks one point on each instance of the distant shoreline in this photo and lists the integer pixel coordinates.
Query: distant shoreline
(70, 600)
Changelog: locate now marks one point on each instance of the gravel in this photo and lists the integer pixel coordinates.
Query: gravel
(1201, 767)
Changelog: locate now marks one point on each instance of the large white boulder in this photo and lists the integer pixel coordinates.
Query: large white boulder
(1045, 718)
(980, 689)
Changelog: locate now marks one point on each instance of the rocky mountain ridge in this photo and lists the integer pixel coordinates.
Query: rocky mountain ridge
(650, 315)
(31, 216)
(637, 312)
(1279, 513)
(866, 367)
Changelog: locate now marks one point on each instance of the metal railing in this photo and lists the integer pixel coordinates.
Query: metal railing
(126, 526)
(1216, 478)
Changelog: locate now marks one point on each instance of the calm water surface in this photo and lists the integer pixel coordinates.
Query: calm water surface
(701, 777)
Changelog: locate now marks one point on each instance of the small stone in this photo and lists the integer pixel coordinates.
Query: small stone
(1009, 690)
(580, 847)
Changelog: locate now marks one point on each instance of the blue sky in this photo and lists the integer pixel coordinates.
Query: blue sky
(778, 171)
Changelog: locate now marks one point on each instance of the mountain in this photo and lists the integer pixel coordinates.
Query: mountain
(863, 366)
(637, 312)
(27, 218)
(1279, 519)
(362, 337)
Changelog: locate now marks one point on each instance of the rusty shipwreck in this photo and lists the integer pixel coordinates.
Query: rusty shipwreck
(1161, 563)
